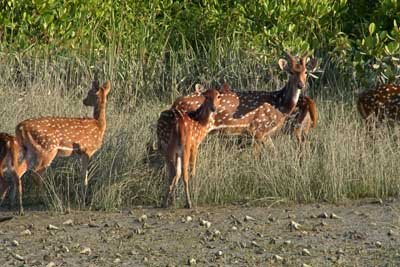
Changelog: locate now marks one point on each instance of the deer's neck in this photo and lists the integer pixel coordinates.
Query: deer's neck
(99, 113)
(202, 115)
(290, 98)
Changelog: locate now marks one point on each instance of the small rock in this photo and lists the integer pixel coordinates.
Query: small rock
(52, 227)
(26, 232)
(272, 241)
(145, 259)
(205, 223)
(86, 251)
(217, 233)
(248, 218)
(277, 258)
(219, 253)
(334, 216)
(68, 222)
(51, 264)
(93, 225)
(117, 260)
(323, 215)
(378, 244)
(271, 219)
(192, 261)
(189, 218)
(143, 218)
(390, 233)
(133, 252)
(234, 228)
(305, 265)
(378, 201)
(305, 252)
(18, 257)
(294, 225)
(15, 243)
(339, 252)
(64, 248)
(287, 242)
(254, 243)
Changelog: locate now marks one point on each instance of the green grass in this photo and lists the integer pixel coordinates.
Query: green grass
(340, 160)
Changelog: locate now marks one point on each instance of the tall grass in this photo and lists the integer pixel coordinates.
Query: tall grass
(340, 160)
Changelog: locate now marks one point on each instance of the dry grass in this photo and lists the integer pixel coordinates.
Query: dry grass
(340, 160)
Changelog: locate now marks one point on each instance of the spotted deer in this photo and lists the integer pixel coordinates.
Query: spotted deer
(227, 106)
(303, 118)
(245, 105)
(380, 103)
(45, 138)
(187, 132)
(10, 156)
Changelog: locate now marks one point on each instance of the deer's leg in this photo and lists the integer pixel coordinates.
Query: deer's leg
(186, 161)
(193, 158)
(174, 182)
(17, 173)
(84, 171)
(4, 187)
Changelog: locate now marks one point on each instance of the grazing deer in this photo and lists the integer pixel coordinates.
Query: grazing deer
(10, 154)
(248, 106)
(188, 131)
(380, 103)
(48, 137)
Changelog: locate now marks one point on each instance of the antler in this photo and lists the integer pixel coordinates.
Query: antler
(303, 59)
(292, 59)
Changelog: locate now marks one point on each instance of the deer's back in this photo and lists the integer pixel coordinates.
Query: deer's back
(383, 101)
(51, 132)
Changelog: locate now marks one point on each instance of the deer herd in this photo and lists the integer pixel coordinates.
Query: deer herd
(182, 128)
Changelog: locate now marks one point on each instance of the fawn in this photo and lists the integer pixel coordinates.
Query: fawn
(187, 132)
(45, 138)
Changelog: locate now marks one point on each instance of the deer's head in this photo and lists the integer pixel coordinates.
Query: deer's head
(297, 70)
(212, 99)
(97, 93)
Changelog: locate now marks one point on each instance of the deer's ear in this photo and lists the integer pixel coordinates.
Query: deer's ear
(95, 84)
(225, 88)
(106, 87)
(198, 88)
(283, 64)
(312, 64)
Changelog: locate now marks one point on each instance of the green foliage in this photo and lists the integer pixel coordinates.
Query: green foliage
(361, 37)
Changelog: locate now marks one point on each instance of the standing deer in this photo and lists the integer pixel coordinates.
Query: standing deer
(303, 118)
(45, 138)
(187, 132)
(380, 103)
(247, 105)
(10, 157)
(227, 106)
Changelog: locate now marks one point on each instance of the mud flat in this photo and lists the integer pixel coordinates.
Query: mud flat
(362, 233)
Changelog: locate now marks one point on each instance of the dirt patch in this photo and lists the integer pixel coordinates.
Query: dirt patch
(353, 234)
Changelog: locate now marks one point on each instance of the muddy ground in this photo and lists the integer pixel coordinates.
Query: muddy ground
(361, 233)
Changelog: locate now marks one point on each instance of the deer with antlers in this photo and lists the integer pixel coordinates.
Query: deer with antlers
(380, 103)
(45, 138)
(187, 132)
(248, 106)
